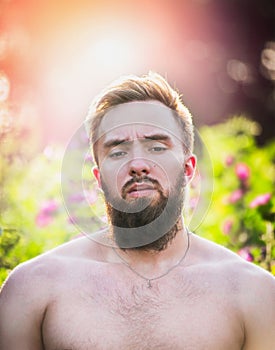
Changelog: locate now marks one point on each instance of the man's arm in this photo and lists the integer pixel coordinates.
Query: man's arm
(258, 304)
(21, 312)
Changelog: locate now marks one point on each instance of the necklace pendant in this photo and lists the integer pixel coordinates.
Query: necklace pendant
(149, 285)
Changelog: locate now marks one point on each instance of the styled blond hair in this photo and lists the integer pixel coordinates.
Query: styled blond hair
(132, 88)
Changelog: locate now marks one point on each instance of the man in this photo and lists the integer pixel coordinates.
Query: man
(153, 284)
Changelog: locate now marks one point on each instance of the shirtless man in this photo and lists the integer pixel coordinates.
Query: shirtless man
(147, 282)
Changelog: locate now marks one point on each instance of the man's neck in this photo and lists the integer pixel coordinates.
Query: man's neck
(150, 262)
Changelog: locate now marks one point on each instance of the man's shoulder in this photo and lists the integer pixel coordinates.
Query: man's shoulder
(41, 271)
(229, 262)
(211, 252)
(29, 276)
(28, 285)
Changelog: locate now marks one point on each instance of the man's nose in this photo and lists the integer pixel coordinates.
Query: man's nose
(139, 167)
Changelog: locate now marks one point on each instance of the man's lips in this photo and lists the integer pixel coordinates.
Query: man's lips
(137, 187)
(140, 190)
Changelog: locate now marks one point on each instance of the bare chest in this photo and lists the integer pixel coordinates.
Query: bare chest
(110, 314)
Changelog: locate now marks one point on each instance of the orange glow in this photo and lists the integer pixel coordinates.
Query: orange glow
(59, 54)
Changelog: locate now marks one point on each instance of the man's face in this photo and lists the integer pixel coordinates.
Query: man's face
(143, 169)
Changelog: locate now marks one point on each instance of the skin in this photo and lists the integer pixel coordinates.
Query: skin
(81, 296)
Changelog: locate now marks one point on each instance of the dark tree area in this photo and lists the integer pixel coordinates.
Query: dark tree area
(256, 22)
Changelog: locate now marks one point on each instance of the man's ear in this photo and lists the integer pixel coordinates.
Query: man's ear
(96, 173)
(190, 167)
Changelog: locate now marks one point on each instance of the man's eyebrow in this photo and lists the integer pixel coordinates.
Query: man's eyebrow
(114, 142)
(158, 137)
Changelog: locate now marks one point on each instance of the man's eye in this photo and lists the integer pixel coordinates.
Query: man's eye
(117, 154)
(157, 149)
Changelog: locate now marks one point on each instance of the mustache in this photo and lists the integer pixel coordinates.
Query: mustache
(140, 179)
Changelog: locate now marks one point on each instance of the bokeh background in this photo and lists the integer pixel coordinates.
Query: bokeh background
(56, 55)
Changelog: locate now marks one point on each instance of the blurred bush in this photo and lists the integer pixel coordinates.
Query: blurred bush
(242, 212)
(33, 218)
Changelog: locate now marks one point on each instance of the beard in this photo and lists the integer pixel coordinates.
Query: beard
(145, 223)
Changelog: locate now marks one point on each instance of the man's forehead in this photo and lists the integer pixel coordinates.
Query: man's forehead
(143, 117)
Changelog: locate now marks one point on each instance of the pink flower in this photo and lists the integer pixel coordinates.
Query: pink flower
(236, 196)
(49, 206)
(242, 171)
(193, 202)
(77, 197)
(246, 254)
(44, 217)
(89, 158)
(260, 200)
(227, 226)
(229, 160)
(91, 196)
(43, 220)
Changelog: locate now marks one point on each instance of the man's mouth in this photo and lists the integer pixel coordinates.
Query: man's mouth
(140, 190)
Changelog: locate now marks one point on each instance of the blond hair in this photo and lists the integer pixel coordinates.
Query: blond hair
(132, 88)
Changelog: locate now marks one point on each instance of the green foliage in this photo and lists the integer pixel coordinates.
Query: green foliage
(30, 185)
(8, 239)
(242, 211)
